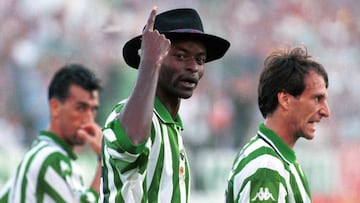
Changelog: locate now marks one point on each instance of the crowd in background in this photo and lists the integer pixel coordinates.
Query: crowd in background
(37, 37)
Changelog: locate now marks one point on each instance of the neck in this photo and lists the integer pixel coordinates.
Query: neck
(282, 130)
(54, 128)
(172, 104)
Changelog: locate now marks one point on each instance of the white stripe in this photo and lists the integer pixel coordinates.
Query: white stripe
(101, 195)
(15, 193)
(166, 183)
(255, 145)
(303, 193)
(265, 161)
(110, 176)
(283, 193)
(109, 135)
(132, 190)
(245, 194)
(113, 114)
(182, 164)
(48, 199)
(291, 193)
(34, 169)
(248, 150)
(154, 152)
(59, 185)
(110, 118)
(125, 156)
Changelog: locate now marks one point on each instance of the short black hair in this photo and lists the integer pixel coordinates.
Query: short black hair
(68, 75)
(285, 71)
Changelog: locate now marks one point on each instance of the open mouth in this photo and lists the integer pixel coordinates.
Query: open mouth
(313, 124)
(189, 82)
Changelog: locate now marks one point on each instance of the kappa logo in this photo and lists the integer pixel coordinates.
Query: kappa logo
(263, 195)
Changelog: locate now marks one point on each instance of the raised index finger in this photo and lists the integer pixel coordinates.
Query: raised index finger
(151, 20)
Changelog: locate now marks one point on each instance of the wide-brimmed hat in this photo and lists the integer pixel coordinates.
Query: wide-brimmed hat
(179, 23)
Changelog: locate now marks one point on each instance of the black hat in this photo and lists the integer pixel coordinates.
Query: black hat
(179, 23)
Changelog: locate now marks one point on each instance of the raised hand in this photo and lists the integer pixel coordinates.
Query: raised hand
(154, 46)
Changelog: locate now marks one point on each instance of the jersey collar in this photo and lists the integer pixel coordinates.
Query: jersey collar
(47, 135)
(164, 114)
(276, 143)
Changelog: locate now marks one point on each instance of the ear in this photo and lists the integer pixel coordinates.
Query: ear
(284, 100)
(54, 105)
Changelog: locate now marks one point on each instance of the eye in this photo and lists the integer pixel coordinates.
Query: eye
(81, 108)
(180, 57)
(318, 98)
(201, 60)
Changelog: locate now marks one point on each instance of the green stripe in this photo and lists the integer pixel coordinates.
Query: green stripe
(295, 186)
(43, 187)
(26, 171)
(155, 184)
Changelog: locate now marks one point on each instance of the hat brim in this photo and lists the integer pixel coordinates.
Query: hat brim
(216, 47)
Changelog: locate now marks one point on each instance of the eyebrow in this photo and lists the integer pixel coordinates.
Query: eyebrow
(83, 103)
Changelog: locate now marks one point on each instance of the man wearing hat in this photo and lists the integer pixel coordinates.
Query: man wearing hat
(144, 159)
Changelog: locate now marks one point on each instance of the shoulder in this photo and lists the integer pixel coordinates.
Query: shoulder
(115, 112)
(40, 161)
(48, 155)
(260, 155)
(257, 155)
(257, 151)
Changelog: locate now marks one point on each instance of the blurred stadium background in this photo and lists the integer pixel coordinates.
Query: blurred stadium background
(37, 37)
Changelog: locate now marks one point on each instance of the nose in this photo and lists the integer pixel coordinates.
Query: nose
(88, 116)
(192, 64)
(325, 110)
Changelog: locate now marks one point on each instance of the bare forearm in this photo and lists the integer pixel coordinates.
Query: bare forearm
(137, 113)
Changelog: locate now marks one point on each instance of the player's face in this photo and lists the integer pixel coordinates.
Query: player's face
(310, 107)
(78, 109)
(182, 69)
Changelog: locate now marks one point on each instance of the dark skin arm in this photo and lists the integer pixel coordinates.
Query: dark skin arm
(137, 113)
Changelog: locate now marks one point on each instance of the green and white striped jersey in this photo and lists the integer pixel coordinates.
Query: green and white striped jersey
(266, 170)
(47, 174)
(155, 171)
